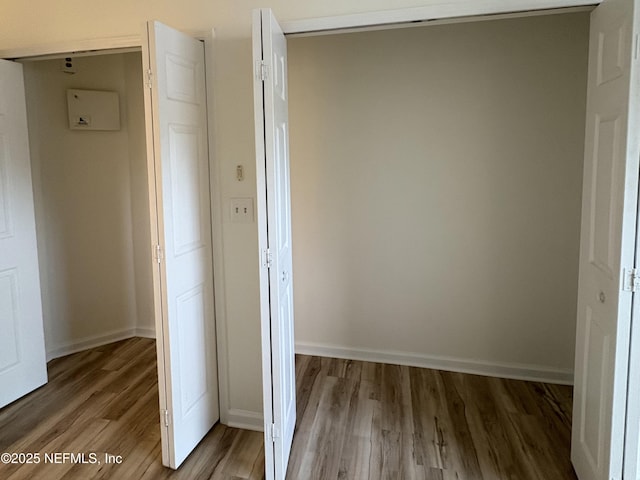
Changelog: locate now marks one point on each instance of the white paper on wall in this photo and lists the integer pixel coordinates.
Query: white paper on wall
(93, 110)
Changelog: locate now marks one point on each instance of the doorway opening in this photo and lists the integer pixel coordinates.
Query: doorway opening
(430, 167)
(91, 201)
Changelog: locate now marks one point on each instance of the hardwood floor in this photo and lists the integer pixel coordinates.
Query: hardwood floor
(105, 400)
(356, 420)
(360, 420)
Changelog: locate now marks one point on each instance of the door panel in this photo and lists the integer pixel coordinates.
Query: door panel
(23, 365)
(180, 202)
(606, 178)
(274, 226)
(609, 211)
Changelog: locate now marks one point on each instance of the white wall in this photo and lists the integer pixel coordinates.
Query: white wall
(436, 188)
(93, 283)
(42, 22)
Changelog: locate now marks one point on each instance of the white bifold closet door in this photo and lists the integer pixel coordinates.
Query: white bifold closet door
(177, 143)
(274, 237)
(608, 236)
(23, 366)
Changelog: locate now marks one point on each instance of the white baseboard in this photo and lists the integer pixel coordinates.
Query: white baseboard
(535, 373)
(97, 341)
(145, 332)
(244, 419)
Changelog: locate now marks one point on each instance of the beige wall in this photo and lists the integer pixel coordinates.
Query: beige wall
(93, 279)
(436, 188)
(40, 22)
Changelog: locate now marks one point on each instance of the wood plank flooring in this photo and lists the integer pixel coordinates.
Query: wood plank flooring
(360, 420)
(105, 400)
(356, 420)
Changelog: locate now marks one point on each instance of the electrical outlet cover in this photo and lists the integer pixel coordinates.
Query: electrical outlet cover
(241, 210)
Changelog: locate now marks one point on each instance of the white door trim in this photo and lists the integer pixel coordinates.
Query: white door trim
(91, 44)
(445, 21)
(445, 10)
(96, 46)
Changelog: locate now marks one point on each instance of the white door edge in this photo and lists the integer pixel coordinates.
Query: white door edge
(261, 218)
(159, 286)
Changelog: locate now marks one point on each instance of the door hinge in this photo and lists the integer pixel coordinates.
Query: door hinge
(274, 433)
(159, 254)
(262, 70)
(267, 258)
(148, 78)
(165, 414)
(631, 282)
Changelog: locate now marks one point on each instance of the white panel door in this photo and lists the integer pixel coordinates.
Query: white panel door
(609, 212)
(23, 365)
(274, 232)
(181, 227)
